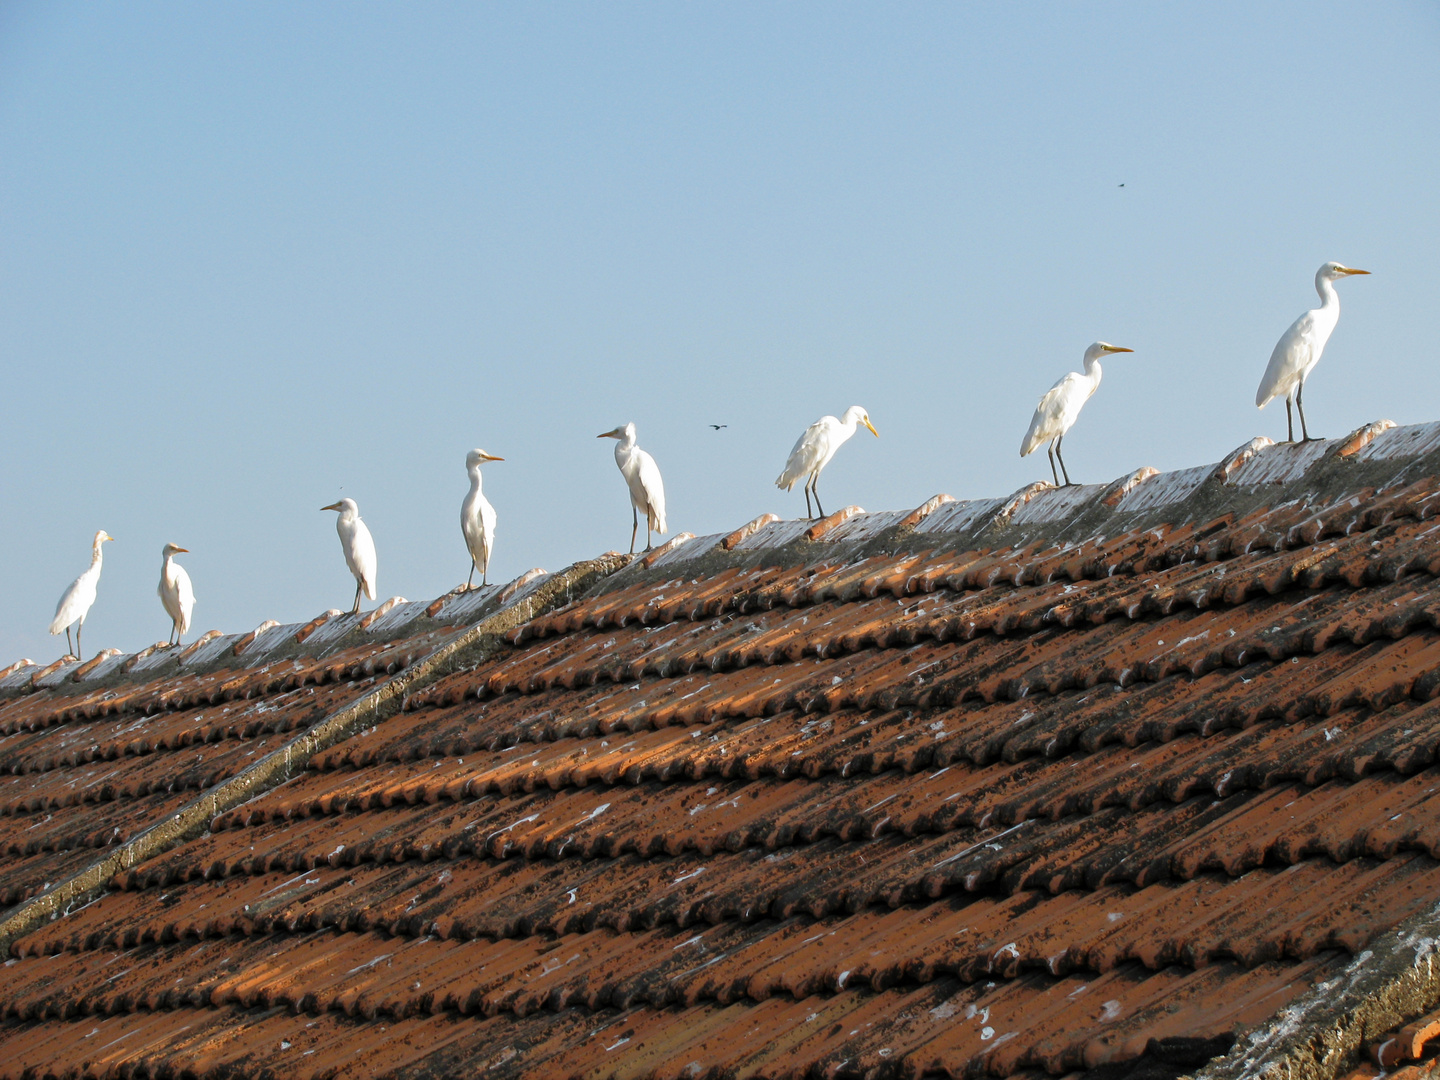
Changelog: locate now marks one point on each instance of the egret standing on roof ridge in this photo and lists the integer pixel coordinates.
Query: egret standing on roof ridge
(359, 548)
(814, 449)
(1061, 404)
(642, 476)
(1299, 348)
(477, 518)
(176, 595)
(75, 602)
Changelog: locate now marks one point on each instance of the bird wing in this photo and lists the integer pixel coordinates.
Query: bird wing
(71, 606)
(648, 474)
(1292, 355)
(809, 454)
(365, 563)
(1050, 412)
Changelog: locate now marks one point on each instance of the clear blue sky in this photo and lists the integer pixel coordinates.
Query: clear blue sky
(256, 257)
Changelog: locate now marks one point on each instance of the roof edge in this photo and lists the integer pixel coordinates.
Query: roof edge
(1323, 1033)
(474, 645)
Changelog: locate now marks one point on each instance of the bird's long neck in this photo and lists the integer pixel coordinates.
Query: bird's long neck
(97, 555)
(475, 480)
(1329, 298)
(1093, 371)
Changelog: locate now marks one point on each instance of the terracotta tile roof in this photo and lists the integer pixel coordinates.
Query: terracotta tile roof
(1104, 779)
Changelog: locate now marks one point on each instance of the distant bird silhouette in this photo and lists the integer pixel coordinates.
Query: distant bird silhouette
(1120, 185)
(717, 427)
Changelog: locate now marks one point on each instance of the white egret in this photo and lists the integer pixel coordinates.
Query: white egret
(75, 603)
(175, 592)
(642, 476)
(358, 545)
(814, 449)
(1299, 348)
(477, 518)
(1061, 405)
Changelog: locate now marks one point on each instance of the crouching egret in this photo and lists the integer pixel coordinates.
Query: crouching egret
(642, 476)
(1061, 405)
(814, 449)
(75, 603)
(359, 547)
(477, 518)
(1299, 348)
(176, 595)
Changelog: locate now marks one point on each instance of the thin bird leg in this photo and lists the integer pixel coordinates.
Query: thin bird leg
(1063, 471)
(1051, 451)
(808, 514)
(634, 528)
(78, 627)
(1289, 422)
(471, 579)
(484, 570)
(69, 645)
(648, 543)
(1300, 408)
(358, 586)
(815, 487)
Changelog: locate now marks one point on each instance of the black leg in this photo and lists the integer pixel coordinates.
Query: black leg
(808, 514)
(1300, 408)
(1289, 422)
(484, 570)
(69, 645)
(815, 487)
(1050, 451)
(1063, 471)
(356, 608)
(78, 627)
(648, 543)
(634, 527)
(471, 579)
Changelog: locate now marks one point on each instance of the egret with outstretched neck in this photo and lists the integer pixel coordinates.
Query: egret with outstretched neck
(477, 518)
(642, 477)
(359, 548)
(75, 602)
(176, 594)
(1060, 407)
(814, 449)
(1299, 348)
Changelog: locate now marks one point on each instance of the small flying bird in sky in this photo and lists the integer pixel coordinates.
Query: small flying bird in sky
(717, 427)
(75, 602)
(477, 518)
(642, 476)
(1061, 406)
(1299, 348)
(176, 594)
(359, 548)
(814, 449)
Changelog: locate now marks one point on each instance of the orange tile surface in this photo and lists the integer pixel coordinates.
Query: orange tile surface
(1026, 811)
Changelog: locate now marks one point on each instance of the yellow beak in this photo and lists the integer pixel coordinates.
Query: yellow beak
(492, 457)
(332, 506)
(1347, 270)
(872, 428)
(1116, 348)
(178, 550)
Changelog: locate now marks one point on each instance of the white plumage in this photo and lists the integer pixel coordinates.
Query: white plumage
(642, 477)
(477, 518)
(176, 594)
(75, 603)
(1299, 348)
(814, 449)
(1061, 404)
(359, 548)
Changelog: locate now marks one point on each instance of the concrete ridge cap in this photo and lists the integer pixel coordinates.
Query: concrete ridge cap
(1322, 1033)
(288, 760)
